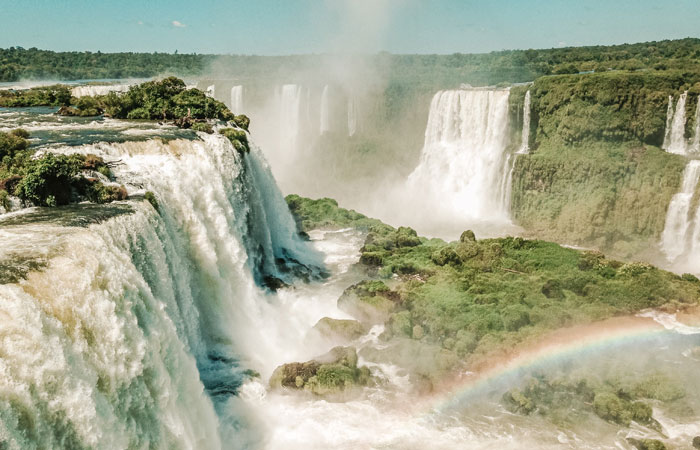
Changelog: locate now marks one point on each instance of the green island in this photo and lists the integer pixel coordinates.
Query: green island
(447, 306)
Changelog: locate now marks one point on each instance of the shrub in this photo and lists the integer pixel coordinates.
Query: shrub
(238, 138)
(151, 198)
(47, 181)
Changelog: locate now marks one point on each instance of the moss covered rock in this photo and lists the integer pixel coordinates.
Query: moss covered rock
(331, 373)
(370, 302)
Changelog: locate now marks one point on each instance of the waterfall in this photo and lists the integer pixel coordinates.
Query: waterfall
(289, 118)
(140, 327)
(237, 99)
(325, 112)
(211, 91)
(94, 90)
(674, 239)
(676, 142)
(463, 167)
(695, 148)
(525, 137)
(352, 117)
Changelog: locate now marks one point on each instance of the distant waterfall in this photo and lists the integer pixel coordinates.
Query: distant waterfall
(352, 117)
(237, 99)
(325, 112)
(94, 90)
(525, 137)
(289, 118)
(138, 331)
(675, 141)
(463, 168)
(674, 240)
(211, 91)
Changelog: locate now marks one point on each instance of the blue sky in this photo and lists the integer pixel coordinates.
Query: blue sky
(315, 26)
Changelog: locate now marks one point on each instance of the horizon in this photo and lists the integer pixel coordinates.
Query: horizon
(303, 27)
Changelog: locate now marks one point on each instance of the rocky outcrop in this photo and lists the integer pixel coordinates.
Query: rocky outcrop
(340, 329)
(333, 373)
(370, 302)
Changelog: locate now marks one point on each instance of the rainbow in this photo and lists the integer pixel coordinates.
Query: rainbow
(557, 345)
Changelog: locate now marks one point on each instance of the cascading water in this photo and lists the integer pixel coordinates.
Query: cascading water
(525, 136)
(211, 91)
(674, 239)
(463, 168)
(325, 112)
(139, 328)
(93, 90)
(237, 99)
(695, 148)
(352, 117)
(289, 100)
(675, 141)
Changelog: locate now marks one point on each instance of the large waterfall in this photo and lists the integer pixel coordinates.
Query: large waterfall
(140, 327)
(463, 168)
(676, 237)
(289, 107)
(237, 99)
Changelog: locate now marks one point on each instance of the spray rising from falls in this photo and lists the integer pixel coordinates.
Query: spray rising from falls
(237, 99)
(464, 167)
(352, 117)
(675, 237)
(139, 328)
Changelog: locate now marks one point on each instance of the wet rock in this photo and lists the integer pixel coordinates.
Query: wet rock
(696, 442)
(647, 444)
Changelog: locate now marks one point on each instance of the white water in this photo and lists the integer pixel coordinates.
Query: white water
(93, 90)
(675, 238)
(352, 117)
(525, 136)
(237, 99)
(695, 147)
(325, 112)
(464, 168)
(289, 100)
(675, 141)
(106, 347)
(211, 91)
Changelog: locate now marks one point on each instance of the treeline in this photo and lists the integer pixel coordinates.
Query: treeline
(17, 63)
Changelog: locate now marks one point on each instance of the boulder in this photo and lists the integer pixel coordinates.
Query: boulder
(332, 373)
(340, 330)
(370, 302)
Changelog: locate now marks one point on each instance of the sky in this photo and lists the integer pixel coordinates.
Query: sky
(278, 27)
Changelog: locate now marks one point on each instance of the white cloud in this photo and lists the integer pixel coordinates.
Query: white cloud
(178, 24)
(140, 22)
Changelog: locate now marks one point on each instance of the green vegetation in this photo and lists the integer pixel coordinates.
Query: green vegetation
(57, 95)
(238, 138)
(150, 197)
(325, 213)
(596, 175)
(476, 297)
(603, 195)
(50, 180)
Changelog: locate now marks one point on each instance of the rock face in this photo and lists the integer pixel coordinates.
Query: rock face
(339, 330)
(332, 373)
(370, 302)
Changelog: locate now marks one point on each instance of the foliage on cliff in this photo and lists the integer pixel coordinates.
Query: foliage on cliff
(608, 196)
